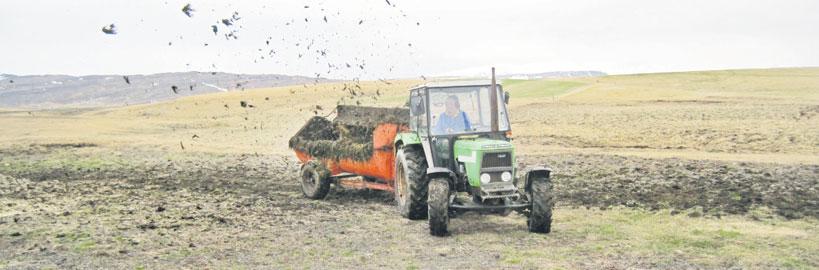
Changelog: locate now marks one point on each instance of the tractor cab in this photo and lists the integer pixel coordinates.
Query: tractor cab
(463, 128)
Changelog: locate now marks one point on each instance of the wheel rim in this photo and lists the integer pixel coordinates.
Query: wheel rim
(308, 180)
(400, 183)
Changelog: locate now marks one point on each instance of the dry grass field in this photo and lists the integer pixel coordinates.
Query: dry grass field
(713, 169)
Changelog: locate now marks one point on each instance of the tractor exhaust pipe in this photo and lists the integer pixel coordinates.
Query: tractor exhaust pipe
(493, 102)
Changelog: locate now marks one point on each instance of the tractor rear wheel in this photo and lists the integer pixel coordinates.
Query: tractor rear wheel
(411, 183)
(540, 218)
(438, 206)
(315, 180)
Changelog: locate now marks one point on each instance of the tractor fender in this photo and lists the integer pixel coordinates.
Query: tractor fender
(441, 173)
(535, 173)
(405, 138)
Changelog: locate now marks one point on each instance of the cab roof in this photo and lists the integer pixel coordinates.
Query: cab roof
(442, 84)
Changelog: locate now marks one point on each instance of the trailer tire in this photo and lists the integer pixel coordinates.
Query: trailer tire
(411, 183)
(540, 218)
(438, 206)
(315, 180)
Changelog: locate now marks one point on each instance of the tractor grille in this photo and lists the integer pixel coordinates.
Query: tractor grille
(493, 160)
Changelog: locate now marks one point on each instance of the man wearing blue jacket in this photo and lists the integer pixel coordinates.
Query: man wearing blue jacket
(453, 120)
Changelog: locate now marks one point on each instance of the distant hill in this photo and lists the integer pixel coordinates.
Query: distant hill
(54, 91)
(555, 74)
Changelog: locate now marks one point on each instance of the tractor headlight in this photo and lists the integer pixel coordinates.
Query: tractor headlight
(506, 176)
(485, 178)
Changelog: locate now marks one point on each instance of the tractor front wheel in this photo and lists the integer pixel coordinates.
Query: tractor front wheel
(540, 218)
(438, 206)
(315, 180)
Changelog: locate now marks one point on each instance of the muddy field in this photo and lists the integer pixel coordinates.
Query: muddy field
(78, 206)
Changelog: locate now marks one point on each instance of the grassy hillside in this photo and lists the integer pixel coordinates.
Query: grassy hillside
(752, 115)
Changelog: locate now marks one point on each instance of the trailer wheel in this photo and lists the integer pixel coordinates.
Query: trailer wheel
(315, 180)
(540, 218)
(438, 206)
(411, 183)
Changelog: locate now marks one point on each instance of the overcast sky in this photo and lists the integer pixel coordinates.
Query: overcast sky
(407, 38)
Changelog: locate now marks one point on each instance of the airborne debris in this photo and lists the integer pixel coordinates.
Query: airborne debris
(215, 29)
(188, 10)
(183, 148)
(175, 89)
(110, 29)
(127, 80)
(243, 104)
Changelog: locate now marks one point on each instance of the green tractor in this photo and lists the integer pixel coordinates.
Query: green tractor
(457, 156)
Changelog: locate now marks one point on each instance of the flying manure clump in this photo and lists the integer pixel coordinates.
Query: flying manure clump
(110, 29)
(188, 10)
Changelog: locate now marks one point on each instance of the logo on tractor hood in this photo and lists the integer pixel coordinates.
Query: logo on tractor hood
(497, 145)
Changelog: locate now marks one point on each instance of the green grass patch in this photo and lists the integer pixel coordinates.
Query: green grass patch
(527, 89)
(64, 160)
(595, 236)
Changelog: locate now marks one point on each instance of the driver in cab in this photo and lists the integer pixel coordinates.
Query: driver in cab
(453, 120)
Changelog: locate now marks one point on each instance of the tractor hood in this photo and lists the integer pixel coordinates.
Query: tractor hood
(482, 144)
(471, 152)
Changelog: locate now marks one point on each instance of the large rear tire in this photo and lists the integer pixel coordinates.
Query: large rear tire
(438, 206)
(540, 219)
(411, 183)
(315, 180)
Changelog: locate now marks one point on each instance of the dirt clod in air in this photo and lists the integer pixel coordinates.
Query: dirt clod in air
(110, 29)
(188, 10)
(175, 89)
(127, 80)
